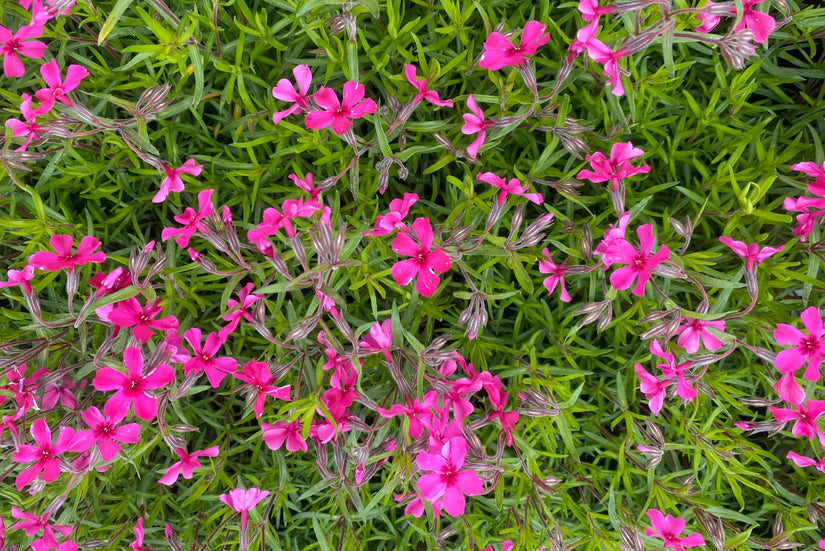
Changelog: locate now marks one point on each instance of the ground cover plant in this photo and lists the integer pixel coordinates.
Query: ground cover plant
(411, 275)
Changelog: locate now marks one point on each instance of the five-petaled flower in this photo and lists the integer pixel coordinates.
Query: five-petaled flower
(243, 501)
(191, 220)
(105, 433)
(203, 357)
(511, 187)
(64, 257)
(187, 463)
(43, 453)
(258, 375)
(32, 524)
(20, 277)
(500, 52)
(274, 435)
(616, 168)
(173, 182)
(556, 277)
(129, 313)
(668, 528)
(421, 87)
(337, 115)
(132, 386)
(641, 262)
(425, 262)
(753, 255)
(13, 45)
(28, 129)
(474, 123)
(693, 330)
(808, 348)
(57, 88)
(447, 484)
(284, 91)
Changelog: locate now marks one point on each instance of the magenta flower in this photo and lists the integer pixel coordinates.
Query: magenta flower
(615, 169)
(609, 247)
(186, 465)
(600, 52)
(64, 257)
(274, 435)
(274, 220)
(653, 389)
(802, 461)
(590, 10)
(105, 433)
(668, 528)
(237, 310)
(385, 224)
(641, 262)
(20, 277)
(513, 187)
(306, 184)
(129, 313)
(57, 88)
(806, 220)
(242, 501)
(814, 171)
(761, 24)
(44, 454)
(337, 114)
(203, 358)
(805, 416)
(258, 376)
(173, 182)
(753, 255)
(808, 347)
(379, 339)
(693, 330)
(32, 524)
(191, 220)
(285, 91)
(138, 531)
(418, 412)
(132, 386)
(28, 129)
(14, 45)
(448, 483)
(708, 19)
(425, 261)
(421, 86)
(585, 38)
(673, 371)
(475, 124)
(556, 277)
(500, 52)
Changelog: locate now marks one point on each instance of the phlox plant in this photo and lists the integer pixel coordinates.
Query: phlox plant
(410, 275)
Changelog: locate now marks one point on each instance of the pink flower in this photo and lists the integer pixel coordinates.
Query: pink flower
(191, 220)
(448, 483)
(513, 187)
(138, 531)
(802, 461)
(259, 376)
(327, 303)
(475, 123)
(129, 313)
(172, 181)
(708, 19)
(590, 10)
(805, 416)
(814, 171)
(805, 221)
(274, 435)
(132, 386)
(64, 257)
(609, 247)
(20, 277)
(242, 501)
(306, 183)
(640, 262)
(337, 114)
(808, 347)
(30, 129)
(32, 524)
(417, 412)
(385, 224)
(186, 465)
(673, 371)
(753, 255)
(379, 339)
(274, 220)
(421, 87)
(44, 454)
(584, 38)
(284, 91)
(203, 358)
(238, 310)
(425, 261)
(57, 88)
(13, 46)
(669, 528)
(693, 330)
(615, 169)
(105, 433)
(500, 52)
(600, 52)
(761, 24)
(557, 273)
(653, 389)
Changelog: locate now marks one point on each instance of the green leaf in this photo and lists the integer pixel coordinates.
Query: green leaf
(114, 16)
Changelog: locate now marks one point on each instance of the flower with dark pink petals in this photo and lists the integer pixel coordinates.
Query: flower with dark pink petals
(426, 261)
(64, 257)
(131, 387)
(337, 115)
(668, 528)
(448, 483)
(13, 45)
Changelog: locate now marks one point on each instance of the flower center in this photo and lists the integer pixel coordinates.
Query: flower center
(809, 345)
(448, 474)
